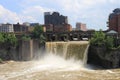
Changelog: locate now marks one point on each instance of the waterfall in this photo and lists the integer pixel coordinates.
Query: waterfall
(72, 49)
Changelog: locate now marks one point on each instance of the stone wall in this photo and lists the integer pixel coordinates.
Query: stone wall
(26, 50)
(29, 50)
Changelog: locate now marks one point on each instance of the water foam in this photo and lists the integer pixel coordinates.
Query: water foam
(54, 62)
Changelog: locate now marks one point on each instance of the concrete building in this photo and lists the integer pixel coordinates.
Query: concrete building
(114, 20)
(81, 26)
(6, 28)
(55, 18)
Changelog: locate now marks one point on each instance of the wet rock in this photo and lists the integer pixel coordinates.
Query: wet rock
(101, 56)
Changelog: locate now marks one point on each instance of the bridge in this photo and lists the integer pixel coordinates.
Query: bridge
(65, 36)
(68, 36)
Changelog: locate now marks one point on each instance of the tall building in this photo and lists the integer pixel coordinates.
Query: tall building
(81, 26)
(114, 20)
(6, 28)
(55, 18)
(56, 22)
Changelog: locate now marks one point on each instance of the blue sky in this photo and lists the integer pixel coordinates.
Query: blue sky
(92, 12)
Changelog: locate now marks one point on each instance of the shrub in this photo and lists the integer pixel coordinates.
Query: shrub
(42, 38)
(1, 38)
(26, 37)
(109, 42)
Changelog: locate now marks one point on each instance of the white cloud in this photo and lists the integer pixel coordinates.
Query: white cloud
(35, 13)
(30, 14)
(8, 16)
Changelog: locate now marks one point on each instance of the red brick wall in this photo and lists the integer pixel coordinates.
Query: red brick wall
(62, 28)
(114, 23)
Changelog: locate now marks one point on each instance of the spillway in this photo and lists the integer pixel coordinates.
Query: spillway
(67, 50)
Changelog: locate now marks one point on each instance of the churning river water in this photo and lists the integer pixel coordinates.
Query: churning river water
(54, 67)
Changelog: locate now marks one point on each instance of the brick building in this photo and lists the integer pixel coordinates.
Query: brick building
(114, 20)
(81, 26)
(63, 28)
(49, 27)
(20, 28)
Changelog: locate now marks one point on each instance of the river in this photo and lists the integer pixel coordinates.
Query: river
(54, 68)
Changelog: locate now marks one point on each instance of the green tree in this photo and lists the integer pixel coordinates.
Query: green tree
(38, 33)
(38, 30)
(98, 38)
(11, 39)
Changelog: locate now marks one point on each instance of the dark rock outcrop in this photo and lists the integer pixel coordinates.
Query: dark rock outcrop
(101, 56)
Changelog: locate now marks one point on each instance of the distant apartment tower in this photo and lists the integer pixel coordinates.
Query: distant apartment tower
(81, 26)
(114, 20)
(56, 22)
(6, 28)
(54, 18)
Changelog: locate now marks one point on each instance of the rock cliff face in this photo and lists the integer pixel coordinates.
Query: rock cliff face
(102, 57)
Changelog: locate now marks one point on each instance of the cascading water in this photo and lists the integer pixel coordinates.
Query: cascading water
(76, 50)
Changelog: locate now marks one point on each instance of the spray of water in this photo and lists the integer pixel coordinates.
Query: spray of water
(55, 62)
(49, 63)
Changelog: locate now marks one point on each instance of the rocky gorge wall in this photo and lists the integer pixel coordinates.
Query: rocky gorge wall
(101, 56)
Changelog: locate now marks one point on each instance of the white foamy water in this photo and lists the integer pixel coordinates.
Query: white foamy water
(54, 62)
(50, 63)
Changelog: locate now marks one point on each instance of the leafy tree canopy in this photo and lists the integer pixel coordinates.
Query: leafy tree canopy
(38, 33)
(100, 39)
(10, 39)
(38, 30)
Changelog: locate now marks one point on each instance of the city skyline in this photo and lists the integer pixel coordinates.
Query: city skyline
(93, 13)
